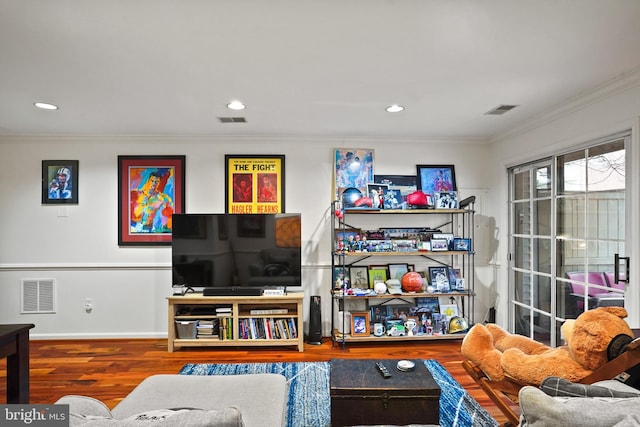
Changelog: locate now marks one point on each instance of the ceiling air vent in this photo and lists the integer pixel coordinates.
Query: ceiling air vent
(500, 109)
(38, 296)
(232, 120)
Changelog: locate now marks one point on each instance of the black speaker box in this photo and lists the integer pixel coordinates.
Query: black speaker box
(315, 321)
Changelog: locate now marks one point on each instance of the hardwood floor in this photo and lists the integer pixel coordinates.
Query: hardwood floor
(109, 369)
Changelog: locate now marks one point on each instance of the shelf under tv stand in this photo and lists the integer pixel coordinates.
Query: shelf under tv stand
(194, 307)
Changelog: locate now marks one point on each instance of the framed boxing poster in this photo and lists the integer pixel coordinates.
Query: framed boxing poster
(254, 184)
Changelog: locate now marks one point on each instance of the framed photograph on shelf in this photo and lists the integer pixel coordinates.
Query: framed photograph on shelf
(460, 244)
(439, 278)
(60, 182)
(359, 277)
(448, 236)
(150, 190)
(377, 273)
(446, 200)
(360, 323)
(254, 184)
(377, 192)
(339, 277)
(435, 178)
(439, 245)
(396, 271)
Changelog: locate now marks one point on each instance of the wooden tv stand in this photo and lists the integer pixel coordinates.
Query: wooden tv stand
(276, 321)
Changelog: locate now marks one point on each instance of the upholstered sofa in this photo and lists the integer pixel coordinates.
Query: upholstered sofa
(559, 402)
(190, 400)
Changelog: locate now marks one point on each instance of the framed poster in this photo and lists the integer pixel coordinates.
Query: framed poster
(435, 178)
(150, 190)
(60, 182)
(353, 170)
(254, 184)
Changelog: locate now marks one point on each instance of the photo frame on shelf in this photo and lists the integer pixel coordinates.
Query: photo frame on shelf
(439, 278)
(377, 192)
(359, 277)
(446, 200)
(60, 182)
(396, 271)
(340, 275)
(439, 245)
(435, 178)
(150, 190)
(448, 236)
(360, 325)
(462, 244)
(254, 184)
(455, 278)
(377, 273)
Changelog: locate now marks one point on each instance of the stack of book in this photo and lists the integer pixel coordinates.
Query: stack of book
(206, 328)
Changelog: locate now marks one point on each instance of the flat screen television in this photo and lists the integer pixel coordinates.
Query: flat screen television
(211, 252)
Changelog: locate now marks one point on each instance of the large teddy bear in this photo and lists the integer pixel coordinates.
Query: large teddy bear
(498, 353)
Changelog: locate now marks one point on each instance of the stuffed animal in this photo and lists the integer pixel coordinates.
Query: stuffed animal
(592, 339)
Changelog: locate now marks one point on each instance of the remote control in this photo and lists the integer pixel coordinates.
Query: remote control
(383, 370)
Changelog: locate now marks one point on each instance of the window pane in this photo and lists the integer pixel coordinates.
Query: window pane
(606, 167)
(542, 260)
(521, 185)
(543, 182)
(542, 293)
(522, 223)
(522, 253)
(542, 224)
(572, 174)
(522, 288)
(571, 217)
(606, 215)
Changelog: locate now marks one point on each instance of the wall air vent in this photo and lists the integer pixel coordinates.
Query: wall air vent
(500, 109)
(232, 119)
(38, 296)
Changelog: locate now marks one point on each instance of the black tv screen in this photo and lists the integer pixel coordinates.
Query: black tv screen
(232, 250)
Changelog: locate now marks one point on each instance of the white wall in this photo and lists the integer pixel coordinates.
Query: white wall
(77, 244)
(605, 111)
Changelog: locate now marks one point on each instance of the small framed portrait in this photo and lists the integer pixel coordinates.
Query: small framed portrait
(360, 323)
(340, 276)
(434, 178)
(439, 245)
(377, 193)
(396, 271)
(460, 244)
(439, 278)
(446, 200)
(359, 277)
(60, 182)
(448, 236)
(377, 274)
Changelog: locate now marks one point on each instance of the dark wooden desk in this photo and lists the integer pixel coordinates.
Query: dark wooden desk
(14, 345)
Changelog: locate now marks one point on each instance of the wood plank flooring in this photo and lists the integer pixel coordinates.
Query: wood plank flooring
(109, 369)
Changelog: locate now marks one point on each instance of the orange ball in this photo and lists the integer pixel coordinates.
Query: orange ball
(411, 282)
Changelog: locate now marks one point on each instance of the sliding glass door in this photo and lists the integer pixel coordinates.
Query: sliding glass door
(567, 223)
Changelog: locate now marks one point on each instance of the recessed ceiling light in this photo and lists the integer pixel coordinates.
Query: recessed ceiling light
(395, 108)
(236, 105)
(45, 106)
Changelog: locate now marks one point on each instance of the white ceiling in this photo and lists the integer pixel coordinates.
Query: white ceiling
(325, 68)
